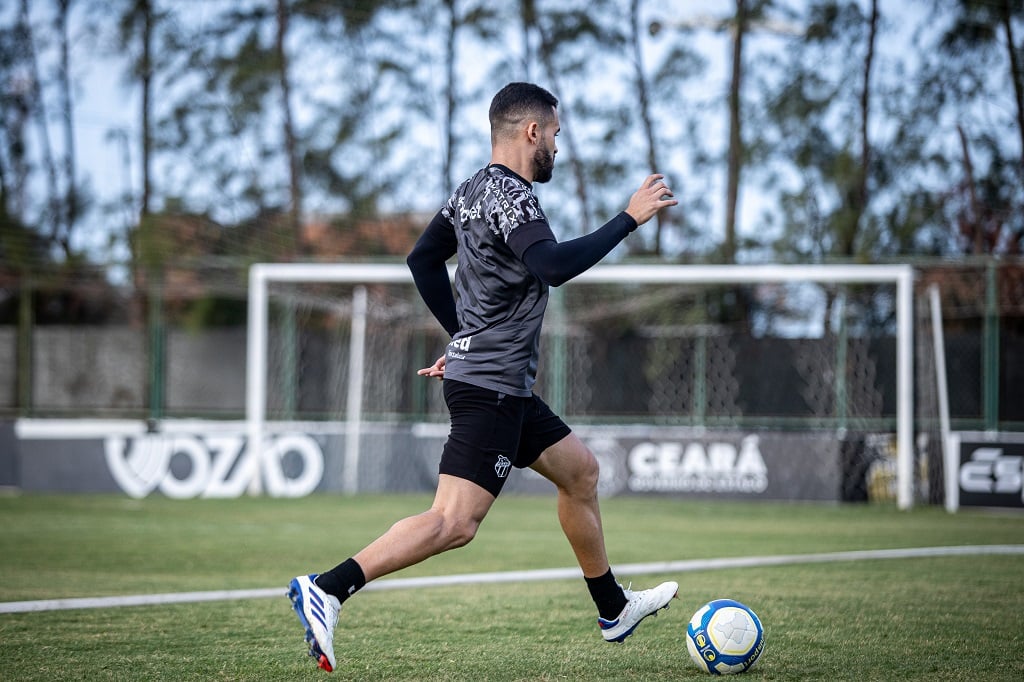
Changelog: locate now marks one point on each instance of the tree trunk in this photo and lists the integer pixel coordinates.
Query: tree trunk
(1016, 76)
(448, 182)
(735, 158)
(142, 19)
(860, 198)
(529, 12)
(70, 214)
(972, 223)
(145, 10)
(567, 132)
(38, 108)
(288, 125)
(645, 111)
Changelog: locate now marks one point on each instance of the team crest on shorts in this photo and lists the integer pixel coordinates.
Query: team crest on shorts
(502, 466)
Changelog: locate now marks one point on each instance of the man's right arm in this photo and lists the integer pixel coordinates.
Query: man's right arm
(430, 273)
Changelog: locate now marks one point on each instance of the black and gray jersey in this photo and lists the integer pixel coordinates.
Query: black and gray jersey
(500, 304)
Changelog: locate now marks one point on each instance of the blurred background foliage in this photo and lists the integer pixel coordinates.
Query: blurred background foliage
(792, 131)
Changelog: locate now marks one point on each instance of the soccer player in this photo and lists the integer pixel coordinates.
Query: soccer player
(507, 259)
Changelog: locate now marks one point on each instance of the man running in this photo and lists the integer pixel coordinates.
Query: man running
(507, 259)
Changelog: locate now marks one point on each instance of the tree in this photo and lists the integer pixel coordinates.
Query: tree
(15, 116)
(363, 148)
(979, 62)
(820, 127)
(556, 30)
(280, 65)
(735, 153)
(482, 21)
(636, 32)
(71, 202)
(51, 217)
(667, 93)
(39, 170)
(235, 92)
(137, 25)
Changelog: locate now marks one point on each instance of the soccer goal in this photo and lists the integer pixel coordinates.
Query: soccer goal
(822, 348)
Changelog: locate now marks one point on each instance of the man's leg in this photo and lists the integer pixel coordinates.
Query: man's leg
(574, 471)
(452, 521)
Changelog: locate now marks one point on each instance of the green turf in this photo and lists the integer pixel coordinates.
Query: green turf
(953, 618)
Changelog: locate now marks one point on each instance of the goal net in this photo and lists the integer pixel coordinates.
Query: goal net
(786, 349)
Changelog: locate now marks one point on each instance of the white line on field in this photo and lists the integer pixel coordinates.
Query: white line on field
(519, 576)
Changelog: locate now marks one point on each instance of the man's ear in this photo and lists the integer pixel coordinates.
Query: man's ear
(533, 131)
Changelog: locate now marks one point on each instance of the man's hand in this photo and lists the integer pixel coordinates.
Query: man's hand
(435, 370)
(652, 196)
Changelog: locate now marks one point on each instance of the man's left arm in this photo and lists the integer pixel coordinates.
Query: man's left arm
(555, 263)
(430, 273)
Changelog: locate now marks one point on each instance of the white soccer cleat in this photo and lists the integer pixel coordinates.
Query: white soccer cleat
(639, 606)
(318, 612)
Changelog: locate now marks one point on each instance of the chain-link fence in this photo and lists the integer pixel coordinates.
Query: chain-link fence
(790, 357)
(174, 346)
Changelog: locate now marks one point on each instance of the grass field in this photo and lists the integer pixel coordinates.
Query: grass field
(937, 618)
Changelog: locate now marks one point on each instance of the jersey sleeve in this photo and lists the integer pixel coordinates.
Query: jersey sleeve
(518, 216)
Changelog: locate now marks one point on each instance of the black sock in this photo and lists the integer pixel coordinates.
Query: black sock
(343, 580)
(607, 595)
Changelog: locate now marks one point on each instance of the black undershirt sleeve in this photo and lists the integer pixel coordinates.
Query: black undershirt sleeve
(555, 263)
(427, 262)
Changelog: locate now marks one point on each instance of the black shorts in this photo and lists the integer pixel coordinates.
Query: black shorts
(493, 432)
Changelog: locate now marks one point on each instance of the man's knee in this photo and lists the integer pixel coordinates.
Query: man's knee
(590, 472)
(571, 466)
(585, 472)
(458, 531)
(459, 508)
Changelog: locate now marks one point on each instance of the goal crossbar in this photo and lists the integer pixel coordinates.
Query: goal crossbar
(902, 276)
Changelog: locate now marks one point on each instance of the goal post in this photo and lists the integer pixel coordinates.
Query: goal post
(260, 276)
(357, 276)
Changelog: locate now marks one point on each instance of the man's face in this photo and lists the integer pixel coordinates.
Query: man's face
(547, 147)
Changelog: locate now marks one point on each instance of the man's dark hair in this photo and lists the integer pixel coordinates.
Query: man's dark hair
(517, 102)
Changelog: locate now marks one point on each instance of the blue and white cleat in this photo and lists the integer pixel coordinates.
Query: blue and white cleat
(318, 612)
(639, 606)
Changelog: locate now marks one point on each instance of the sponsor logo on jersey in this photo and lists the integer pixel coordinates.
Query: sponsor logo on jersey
(458, 348)
(467, 214)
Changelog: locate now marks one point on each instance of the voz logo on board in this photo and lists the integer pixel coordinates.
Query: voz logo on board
(217, 466)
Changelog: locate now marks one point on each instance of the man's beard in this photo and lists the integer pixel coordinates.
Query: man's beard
(543, 164)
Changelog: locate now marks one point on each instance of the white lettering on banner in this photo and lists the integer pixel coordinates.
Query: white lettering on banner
(698, 467)
(990, 471)
(229, 453)
(219, 466)
(198, 477)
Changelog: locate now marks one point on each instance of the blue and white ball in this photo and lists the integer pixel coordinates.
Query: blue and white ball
(724, 637)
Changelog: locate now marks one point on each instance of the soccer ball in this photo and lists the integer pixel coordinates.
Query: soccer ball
(724, 637)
